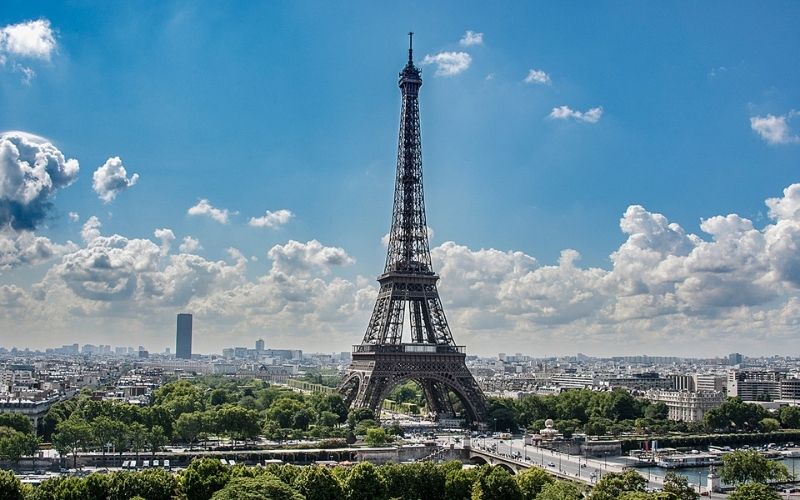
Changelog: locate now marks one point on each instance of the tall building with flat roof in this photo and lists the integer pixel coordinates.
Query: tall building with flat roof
(183, 342)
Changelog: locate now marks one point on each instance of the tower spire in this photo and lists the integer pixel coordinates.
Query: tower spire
(410, 47)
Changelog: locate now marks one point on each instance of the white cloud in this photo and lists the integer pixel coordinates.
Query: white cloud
(204, 208)
(166, 236)
(565, 112)
(26, 41)
(20, 248)
(272, 220)
(735, 283)
(449, 63)
(295, 257)
(91, 229)
(775, 129)
(471, 38)
(30, 39)
(190, 245)
(111, 178)
(31, 171)
(537, 76)
(74, 216)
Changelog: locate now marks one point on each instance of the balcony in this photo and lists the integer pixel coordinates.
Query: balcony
(411, 348)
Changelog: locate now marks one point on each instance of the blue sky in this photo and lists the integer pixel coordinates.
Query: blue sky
(294, 106)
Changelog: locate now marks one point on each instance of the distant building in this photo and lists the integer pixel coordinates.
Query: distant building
(183, 342)
(710, 382)
(755, 385)
(735, 359)
(260, 346)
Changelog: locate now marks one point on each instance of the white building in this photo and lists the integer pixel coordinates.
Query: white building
(685, 406)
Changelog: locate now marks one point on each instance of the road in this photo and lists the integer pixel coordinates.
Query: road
(573, 465)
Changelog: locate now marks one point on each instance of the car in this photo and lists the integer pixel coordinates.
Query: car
(583, 465)
(551, 464)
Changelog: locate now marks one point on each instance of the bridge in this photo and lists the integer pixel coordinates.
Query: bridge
(480, 456)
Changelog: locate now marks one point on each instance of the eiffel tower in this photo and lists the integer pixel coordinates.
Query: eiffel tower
(431, 358)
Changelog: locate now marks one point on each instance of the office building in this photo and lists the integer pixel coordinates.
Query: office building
(183, 344)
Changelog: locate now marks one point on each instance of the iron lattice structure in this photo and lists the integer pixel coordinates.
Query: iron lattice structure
(408, 283)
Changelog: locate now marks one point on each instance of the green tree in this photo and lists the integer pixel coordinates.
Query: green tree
(156, 439)
(769, 424)
(364, 483)
(10, 486)
(656, 411)
(264, 487)
(152, 484)
(612, 485)
(97, 486)
(363, 426)
(14, 445)
(327, 419)
(107, 431)
(138, 438)
(496, 484)
(560, 490)
(790, 417)
(754, 491)
(189, 426)
(503, 415)
(458, 483)
(318, 483)
(679, 486)
(531, 482)
(749, 466)
(283, 410)
(70, 436)
(377, 436)
(735, 414)
(16, 421)
(238, 423)
(204, 477)
(357, 415)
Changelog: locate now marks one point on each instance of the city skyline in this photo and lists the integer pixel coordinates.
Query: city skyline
(238, 166)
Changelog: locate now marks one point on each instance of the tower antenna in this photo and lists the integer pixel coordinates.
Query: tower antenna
(410, 46)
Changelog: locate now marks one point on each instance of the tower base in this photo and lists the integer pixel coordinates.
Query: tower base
(439, 370)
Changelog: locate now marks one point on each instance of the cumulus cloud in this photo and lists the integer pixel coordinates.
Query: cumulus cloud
(775, 129)
(166, 236)
(28, 40)
(19, 248)
(31, 171)
(190, 245)
(296, 257)
(471, 38)
(91, 229)
(111, 178)
(591, 115)
(537, 76)
(74, 216)
(204, 208)
(272, 220)
(449, 63)
(731, 282)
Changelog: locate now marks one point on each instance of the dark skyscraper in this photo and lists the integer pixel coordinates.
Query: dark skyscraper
(183, 347)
